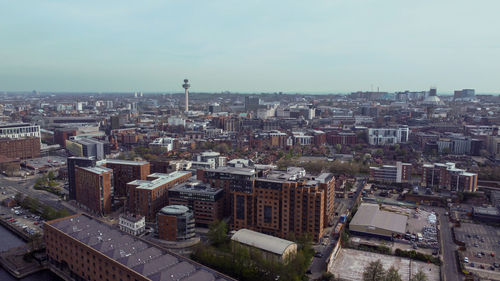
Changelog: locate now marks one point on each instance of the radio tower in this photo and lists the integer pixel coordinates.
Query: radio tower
(186, 92)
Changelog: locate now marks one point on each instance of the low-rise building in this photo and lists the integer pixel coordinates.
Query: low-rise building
(399, 173)
(271, 248)
(370, 220)
(132, 224)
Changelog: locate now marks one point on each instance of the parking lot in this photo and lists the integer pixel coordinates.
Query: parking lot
(350, 264)
(482, 244)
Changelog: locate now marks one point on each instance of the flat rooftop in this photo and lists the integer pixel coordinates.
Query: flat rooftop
(233, 170)
(196, 187)
(148, 260)
(122, 162)
(160, 180)
(97, 170)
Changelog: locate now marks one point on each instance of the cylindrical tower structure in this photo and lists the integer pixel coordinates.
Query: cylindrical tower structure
(186, 92)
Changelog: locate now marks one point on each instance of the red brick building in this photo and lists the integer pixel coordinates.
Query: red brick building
(175, 223)
(279, 203)
(336, 137)
(20, 148)
(125, 172)
(93, 188)
(147, 197)
(82, 248)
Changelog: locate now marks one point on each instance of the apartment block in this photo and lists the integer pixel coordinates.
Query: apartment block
(147, 197)
(94, 189)
(126, 171)
(388, 136)
(449, 177)
(399, 173)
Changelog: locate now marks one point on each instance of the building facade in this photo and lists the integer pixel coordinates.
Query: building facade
(72, 163)
(125, 172)
(448, 176)
(175, 223)
(207, 203)
(399, 173)
(147, 197)
(388, 136)
(94, 188)
(132, 224)
(82, 248)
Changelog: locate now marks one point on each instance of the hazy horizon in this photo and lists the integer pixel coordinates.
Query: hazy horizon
(250, 47)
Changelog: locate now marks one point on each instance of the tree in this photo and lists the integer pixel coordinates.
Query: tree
(51, 175)
(326, 276)
(420, 276)
(374, 272)
(392, 274)
(19, 198)
(217, 233)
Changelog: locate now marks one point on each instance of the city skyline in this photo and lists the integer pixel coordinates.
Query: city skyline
(329, 47)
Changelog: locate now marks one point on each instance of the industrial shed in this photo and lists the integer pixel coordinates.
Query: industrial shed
(370, 220)
(271, 247)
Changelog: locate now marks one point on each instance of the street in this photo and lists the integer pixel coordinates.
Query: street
(448, 248)
(25, 186)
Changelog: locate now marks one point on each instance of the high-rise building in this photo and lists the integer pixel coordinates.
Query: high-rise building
(94, 188)
(464, 94)
(278, 203)
(124, 172)
(72, 163)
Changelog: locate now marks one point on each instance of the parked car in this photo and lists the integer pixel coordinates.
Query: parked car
(466, 260)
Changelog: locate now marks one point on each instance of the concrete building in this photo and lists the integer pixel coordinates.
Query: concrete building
(370, 220)
(82, 248)
(213, 158)
(252, 103)
(94, 189)
(124, 172)
(272, 248)
(147, 197)
(132, 224)
(449, 177)
(207, 203)
(86, 147)
(19, 131)
(175, 223)
(165, 142)
(388, 136)
(399, 173)
(72, 163)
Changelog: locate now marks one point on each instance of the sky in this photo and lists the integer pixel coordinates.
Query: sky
(335, 46)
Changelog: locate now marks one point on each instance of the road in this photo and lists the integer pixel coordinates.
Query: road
(448, 248)
(318, 265)
(25, 186)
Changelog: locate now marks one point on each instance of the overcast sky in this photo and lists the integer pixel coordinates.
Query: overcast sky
(247, 46)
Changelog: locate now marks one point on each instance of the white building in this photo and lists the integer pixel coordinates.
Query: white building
(301, 138)
(176, 121)
(19, 130)
(388, 136)
(132, 224)
(165, 142)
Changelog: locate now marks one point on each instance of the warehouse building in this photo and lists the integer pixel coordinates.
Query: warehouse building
(272, 248)
(370, 220)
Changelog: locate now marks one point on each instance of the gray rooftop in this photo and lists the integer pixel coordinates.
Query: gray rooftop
(262, 241)
(160, 179)
(196, 187)
(370, 215)
(149, 261)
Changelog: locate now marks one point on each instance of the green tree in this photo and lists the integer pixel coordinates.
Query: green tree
(392, 274)
(51, 175)
(19, 198)
(374, 272)
(217, 233)
(420, 276)
(326, 276)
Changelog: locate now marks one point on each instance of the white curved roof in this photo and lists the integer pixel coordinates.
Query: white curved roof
(262, 241)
